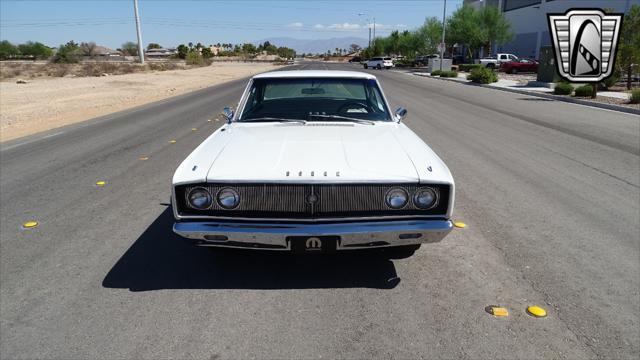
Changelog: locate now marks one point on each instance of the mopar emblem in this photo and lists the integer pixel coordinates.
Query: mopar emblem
(585, 43)
(313, 244)
(312, 198)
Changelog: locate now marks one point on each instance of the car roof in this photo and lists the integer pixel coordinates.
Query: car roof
(314, 73)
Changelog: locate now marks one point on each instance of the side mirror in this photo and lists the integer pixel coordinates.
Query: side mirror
(228, 113)
(400, 113)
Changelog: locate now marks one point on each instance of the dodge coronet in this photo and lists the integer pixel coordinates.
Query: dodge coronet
(313, 161)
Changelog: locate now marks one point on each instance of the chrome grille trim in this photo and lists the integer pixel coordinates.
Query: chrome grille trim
(292, 201)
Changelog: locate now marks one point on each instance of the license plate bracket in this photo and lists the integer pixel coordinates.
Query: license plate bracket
(313, 244)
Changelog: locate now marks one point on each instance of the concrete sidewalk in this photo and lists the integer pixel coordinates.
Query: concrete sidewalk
(538, 89)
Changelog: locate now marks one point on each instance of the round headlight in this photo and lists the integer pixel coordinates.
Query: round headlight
(397, 198)
(425, 198)
(200, 198)
(228, 198)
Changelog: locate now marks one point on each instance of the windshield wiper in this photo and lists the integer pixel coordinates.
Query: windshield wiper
(343, 118)
(277, 119)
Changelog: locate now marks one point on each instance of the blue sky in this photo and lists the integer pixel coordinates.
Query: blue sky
(110, 22)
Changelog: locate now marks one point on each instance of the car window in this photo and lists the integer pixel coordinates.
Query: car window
(503, 57)
(298, 98)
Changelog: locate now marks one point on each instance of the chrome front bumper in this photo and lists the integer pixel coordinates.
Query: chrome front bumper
(351, 235)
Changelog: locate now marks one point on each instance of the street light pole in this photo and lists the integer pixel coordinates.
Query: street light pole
(368, 26)
(140, 51)
(444, 14)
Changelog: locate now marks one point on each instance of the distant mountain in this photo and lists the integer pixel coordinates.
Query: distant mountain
(315, 45)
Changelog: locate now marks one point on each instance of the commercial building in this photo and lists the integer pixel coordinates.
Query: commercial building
(529, 20)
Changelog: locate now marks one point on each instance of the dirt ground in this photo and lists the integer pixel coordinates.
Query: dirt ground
(46, 103)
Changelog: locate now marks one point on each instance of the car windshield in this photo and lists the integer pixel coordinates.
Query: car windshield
(310, 99)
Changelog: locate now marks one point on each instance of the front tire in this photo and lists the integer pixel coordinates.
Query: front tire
(366, 66)
(491, 66)
(514, 71)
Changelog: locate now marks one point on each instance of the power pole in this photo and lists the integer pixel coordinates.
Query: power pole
(444, 14)
(140, 50)
(369, 37)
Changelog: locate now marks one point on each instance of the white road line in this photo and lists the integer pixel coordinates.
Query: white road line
(32, 141)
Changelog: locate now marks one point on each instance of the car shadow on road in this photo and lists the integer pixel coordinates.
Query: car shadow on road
(159, 259)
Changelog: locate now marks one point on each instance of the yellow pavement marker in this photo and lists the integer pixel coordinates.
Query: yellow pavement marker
(143, 157)
(208, 120)
(101, 183)
(194, 129)
(172, 141)
(536, 311)
(30, 224)
(498, 311)
(460, 224)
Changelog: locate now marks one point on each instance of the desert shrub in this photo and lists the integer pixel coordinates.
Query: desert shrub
(563, 88)
(584, 91)
(449, 74)
(436, 73)
(404, 63)
(482, 75)
(469, 67)
(635, 96)
(194, 58)
(68, 53)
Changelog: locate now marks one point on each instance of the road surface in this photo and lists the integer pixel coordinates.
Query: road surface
(550, 192)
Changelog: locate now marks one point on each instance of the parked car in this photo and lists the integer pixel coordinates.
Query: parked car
(355, 59)
(494, 62)
(313, 161)
(520, 65)
(379, 63)
(423, 60)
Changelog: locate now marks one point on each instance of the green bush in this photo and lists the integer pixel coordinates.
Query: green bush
(450, 74)
(563, 88)
(194, 58)
(635, 97)
(436, 73)
(469, 67)
(612, 80)
(584, 91)
(68, 53)
(482, 75)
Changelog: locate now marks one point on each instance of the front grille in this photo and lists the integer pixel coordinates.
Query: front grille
(294, 200)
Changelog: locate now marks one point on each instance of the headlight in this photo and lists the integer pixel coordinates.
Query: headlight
(228, 198)
(200, 198)
(425, 198)
(397, 198)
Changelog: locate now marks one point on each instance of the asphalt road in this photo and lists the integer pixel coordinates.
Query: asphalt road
(550, 191)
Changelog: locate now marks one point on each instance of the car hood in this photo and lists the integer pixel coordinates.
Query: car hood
(313, 152)
(316, 151)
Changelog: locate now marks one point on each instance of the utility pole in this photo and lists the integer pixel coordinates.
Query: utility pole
(140, 50)
(444, 14)
(369, 37)
(374, 29)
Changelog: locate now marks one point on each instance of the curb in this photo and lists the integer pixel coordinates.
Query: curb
(546, 96)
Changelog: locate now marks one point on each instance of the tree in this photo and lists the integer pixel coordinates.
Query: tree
(248, 48)
(8, 50)
(35, 50)
(88, 49)
(130, 48)
(496, 29)
(68, 53)
(354, 48)
(206, 52)
(182, 51)
(629, 43)
(464, 27)
(153, 46)
(429, 36)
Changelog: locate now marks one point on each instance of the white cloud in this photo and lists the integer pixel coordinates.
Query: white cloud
(344, 26)
(295, 25)
(388, 27)
(318, 26)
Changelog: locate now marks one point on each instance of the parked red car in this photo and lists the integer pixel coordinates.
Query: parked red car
(520, 65)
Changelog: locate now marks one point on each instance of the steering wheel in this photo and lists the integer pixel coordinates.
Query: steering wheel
(354, 105)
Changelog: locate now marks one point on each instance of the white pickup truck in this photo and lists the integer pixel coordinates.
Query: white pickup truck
(494, 62)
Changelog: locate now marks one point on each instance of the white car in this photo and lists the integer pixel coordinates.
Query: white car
(493, 62)
(313, 161)
(379, 63)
